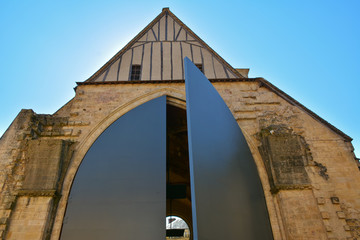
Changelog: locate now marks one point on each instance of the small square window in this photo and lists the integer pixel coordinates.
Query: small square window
(200, 67)
(135, 72)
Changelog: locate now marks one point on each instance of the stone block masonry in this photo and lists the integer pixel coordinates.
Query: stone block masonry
(308, 171)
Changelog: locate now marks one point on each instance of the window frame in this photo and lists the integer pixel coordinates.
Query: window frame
(135, 72)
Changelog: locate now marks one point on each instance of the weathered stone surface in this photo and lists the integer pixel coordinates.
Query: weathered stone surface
(12, 161)
(301, 216)
(294, 211)
(285, 157)
(320, 200)
(322, 170)
(30, 218)
(44, 163)
(352, 218)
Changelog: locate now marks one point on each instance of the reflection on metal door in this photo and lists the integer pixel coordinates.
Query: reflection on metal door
(120, 189)
(227, 197)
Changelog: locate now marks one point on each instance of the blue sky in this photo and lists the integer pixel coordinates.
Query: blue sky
(308, 49)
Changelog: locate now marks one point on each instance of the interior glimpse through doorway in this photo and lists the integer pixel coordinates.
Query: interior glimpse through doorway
(178, 195)
(176, 228)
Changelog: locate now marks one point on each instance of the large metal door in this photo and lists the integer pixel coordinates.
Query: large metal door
(119, 191)
(227, 196)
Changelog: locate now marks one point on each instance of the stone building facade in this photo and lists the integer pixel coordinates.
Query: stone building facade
(307, 167)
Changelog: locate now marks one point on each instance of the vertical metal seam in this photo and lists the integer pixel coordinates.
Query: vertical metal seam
(191, 159)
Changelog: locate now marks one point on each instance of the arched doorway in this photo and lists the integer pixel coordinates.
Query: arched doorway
(133, 176)
(214, 184)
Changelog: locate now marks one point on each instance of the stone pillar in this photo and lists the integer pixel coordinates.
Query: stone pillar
(286, 155)
(32, 215)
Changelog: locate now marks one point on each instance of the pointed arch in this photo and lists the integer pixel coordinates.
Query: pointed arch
(175, 97)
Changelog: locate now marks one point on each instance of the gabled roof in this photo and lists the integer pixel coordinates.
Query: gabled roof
(159, 49)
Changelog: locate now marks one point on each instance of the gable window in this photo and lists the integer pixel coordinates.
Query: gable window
(200, 67)
(135, 72)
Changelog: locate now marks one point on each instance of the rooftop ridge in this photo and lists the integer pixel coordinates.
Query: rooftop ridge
(165, 11)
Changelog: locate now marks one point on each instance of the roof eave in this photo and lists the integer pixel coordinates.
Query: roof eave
(263, 82)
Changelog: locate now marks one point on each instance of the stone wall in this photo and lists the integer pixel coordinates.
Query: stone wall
(35, 153)
(308, 170)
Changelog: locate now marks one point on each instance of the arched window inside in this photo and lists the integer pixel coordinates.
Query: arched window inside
(177, 228)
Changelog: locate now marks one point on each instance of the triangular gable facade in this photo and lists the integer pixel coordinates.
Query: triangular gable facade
(159, 51)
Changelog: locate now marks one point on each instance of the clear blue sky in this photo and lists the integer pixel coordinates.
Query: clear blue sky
(309, 49)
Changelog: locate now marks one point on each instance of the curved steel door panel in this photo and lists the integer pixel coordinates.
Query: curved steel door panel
(119, 191)
(227, 197)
